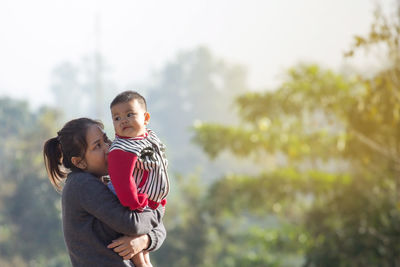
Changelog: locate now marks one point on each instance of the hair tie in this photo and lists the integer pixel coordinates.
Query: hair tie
(58, 136)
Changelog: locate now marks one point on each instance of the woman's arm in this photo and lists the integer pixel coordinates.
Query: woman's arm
(98, 200)
(128, 246)
(157, 237)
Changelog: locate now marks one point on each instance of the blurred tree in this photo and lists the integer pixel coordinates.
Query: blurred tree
(30, 229)
(195, 86)
(83, 89)
(187, 228)
(340, 137)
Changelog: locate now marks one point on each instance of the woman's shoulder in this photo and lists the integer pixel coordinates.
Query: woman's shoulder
(80, 175)
(82, 183)
(81, 178)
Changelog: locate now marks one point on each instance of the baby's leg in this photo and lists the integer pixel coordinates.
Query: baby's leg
(138, 260)
(146, 256)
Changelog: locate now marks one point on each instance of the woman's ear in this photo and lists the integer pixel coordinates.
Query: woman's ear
(79, 162)
(146, 118)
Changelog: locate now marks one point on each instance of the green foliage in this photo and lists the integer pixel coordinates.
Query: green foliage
(14, 117)
(384, 31)
(29, 221)
(337, 142)
(187, 228)
(357, 226)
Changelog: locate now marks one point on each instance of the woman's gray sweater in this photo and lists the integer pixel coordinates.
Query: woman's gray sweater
(92, 217)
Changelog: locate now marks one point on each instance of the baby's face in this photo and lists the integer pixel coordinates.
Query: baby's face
(129, 119)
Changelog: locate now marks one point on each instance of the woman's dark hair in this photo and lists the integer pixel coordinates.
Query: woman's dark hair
(70, 142)
(127, 96)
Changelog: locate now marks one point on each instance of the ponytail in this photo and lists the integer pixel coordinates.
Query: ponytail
(52, 154)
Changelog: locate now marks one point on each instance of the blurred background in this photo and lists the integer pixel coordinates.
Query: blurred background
(281, 120)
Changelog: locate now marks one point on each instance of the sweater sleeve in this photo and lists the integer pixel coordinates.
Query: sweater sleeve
(120, 169)
(157, 237)
(99, 201)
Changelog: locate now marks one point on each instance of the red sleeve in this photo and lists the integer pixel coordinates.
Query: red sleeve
(120, 169)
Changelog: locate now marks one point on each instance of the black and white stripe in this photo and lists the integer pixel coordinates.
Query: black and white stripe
(157, 184)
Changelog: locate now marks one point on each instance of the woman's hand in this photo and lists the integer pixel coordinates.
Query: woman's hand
(128, 246)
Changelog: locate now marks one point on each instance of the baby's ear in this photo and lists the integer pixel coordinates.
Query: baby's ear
(146, 118)
(79, 162)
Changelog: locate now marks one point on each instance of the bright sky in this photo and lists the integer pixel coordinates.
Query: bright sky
(139, 37)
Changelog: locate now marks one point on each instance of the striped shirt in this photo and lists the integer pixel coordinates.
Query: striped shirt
(138, 166)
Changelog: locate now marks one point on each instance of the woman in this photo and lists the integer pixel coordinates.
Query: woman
(92, 216)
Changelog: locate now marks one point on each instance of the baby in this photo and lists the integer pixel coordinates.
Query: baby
(136, 161)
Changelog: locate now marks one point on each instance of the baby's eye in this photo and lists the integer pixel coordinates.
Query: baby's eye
(130, 115)
(117, 118)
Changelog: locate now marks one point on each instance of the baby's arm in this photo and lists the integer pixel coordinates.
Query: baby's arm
(139, 260)
(120, 168)
(99, 201)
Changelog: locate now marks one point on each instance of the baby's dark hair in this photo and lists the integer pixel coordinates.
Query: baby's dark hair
(127, 96)
(69, 142)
